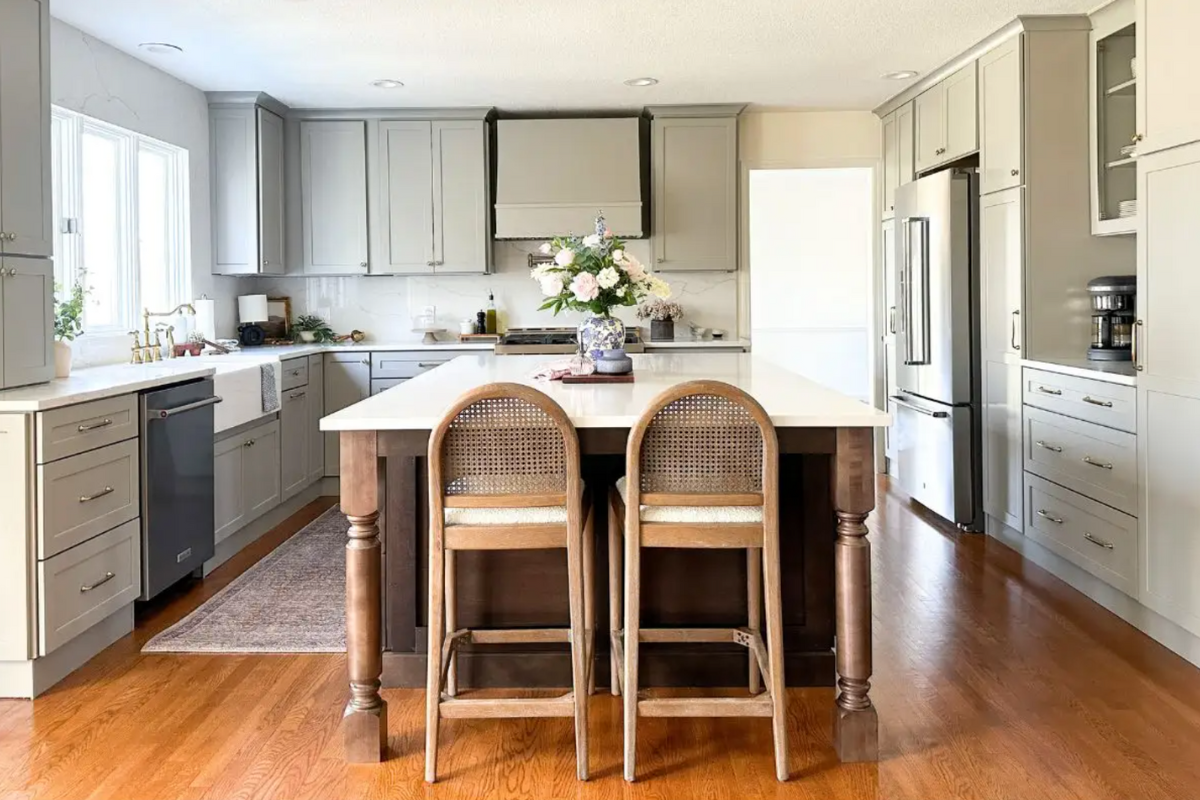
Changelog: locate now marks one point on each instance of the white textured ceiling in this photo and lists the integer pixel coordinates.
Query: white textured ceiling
(552, 54)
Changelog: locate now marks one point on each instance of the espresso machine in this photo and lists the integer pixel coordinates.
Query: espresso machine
(1113, 304)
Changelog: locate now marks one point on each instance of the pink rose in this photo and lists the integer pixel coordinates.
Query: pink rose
(608, 234)
(634, 269)
(585, 287)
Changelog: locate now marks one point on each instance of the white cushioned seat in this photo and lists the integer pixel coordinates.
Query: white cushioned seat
(506, 516)
(685, 514)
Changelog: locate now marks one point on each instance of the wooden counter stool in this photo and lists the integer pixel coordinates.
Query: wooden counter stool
(504, 475)
(702, 470)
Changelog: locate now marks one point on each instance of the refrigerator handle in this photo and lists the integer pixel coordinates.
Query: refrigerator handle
(902, 294)
(917, 322)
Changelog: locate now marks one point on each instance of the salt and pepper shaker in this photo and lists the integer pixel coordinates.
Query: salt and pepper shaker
(481, 323)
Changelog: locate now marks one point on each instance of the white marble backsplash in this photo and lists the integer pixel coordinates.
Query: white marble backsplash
(384, 307)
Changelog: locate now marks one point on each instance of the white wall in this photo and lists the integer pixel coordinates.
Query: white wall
(89, 76)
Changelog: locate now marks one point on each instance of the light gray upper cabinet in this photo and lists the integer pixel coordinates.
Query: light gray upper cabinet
(946, 120)
(316, 410)
(293, 441)
(26, 321)
(434, 198)
(246, 154)
(347, 381)
(694, 192)
(1001, 135)
(897, 155)
(333, 197)
(1167, 60)
(25, 195)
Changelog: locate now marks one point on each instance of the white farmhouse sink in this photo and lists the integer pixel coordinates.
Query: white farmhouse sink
(239, 385)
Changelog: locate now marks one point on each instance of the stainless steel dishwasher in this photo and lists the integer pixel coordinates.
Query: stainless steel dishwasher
(177, 483)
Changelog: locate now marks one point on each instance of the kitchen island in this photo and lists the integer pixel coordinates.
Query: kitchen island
(827, 485)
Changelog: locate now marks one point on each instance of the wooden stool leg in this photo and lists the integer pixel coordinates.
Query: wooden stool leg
(633, 589)
(451, 620)
(754, 608)
(774, 608)
(433, 679)
(575, 591)
(614, 593)
(589, 596)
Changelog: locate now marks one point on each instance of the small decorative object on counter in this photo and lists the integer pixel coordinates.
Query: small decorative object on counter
(354, 336)
(68, 324)
(309, 328)
(481, 323)
(192, 347)
(426, 323)
(466, 327)
(594, 274)
(490, 316)
(614, 362)
(662, 314)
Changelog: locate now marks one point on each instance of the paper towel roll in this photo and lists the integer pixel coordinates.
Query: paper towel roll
(252, 308)
(206, 317)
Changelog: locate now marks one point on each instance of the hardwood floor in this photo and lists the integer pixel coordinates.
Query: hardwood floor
(993, 680)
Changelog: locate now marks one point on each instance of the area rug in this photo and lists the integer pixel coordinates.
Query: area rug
(292, 601)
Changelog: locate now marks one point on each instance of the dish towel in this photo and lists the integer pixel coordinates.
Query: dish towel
(556, 370)
(270, 389)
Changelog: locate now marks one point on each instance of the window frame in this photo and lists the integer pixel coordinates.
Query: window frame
(67, 131)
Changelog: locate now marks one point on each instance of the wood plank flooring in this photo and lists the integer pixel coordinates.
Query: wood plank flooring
(993, 680)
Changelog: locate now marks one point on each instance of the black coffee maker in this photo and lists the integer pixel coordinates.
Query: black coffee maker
(1113, 304)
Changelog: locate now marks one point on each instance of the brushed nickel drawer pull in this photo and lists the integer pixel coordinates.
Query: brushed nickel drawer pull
(429, 364)
(95, 427)
(296, 395)
(1052, 448)
(1047, 515)
(1098, 542)
(1055, 392)
(108, 576)
(1095, 402)
(87, 498)
(1094, 463)
(295, 373)
(248, 443)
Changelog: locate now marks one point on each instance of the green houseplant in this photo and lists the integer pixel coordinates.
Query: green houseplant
(309, 328)
(68, 325)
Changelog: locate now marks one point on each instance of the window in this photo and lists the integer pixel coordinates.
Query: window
(121, 204)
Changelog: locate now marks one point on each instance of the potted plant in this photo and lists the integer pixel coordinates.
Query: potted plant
(194, 345)
(311, 329)
(594, 274)
(662, 315)
(68, 324)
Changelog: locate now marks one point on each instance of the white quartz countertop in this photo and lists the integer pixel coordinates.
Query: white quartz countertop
(99, 382)
(1121, 372)
(791, 401)
(687, 343)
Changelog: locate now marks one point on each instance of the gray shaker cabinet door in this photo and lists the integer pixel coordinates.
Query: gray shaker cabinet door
(347, 381)
(694, 163)
(270, 191)
(25, 180)
(406, 193)
(461, 240)
(262, 470)
(229, 486)
(233, 157)
(26, 321)
(333, 197)
(316, 410)
(294, 441)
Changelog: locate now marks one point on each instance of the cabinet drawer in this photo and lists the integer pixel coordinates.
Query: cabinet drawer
(406, 365)
(383, 384)
(1108, 404)
(1086, 533)
(1095, 461)
(66, 431)
(85, 495)
(82, 586)
(295, 373)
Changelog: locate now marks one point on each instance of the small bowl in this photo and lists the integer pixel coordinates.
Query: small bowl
(718, 333)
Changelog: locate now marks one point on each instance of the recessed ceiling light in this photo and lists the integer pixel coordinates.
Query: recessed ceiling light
(641, 81)
(160, 48)
(387, 83)
(900, 75)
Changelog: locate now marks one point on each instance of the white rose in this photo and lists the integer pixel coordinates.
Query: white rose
(591, 240)
(618, 255)
(565, 257)
(546, 248)
(659, 288)
(608, 278)
(552, 285)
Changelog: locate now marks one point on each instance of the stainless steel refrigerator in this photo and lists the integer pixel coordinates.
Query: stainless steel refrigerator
(937, 405)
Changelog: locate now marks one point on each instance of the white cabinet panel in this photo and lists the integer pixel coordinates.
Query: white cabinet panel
(26, 321)
(1168, 61)
(347, 381)
(962, 114)
(270, 192)
(316, 410)
(293, 442)
(18, 498)
(25, 181)
(905, 136)
(1003, 470)
(891, 163)
(333, 197)
(1002, 266)
(1001, 129)
(694, 166)
(406, 190)
(461, 241)
(930, 127)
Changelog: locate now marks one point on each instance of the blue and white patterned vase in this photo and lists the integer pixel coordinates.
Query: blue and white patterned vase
(601, 333)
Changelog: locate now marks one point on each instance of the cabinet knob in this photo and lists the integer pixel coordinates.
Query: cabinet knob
(266, 263)
(430, 263)
(365, 361)
(1015, 172)
(660, 261)
(12, 272)
(12, 237)
(363, 264)
(1137, 137)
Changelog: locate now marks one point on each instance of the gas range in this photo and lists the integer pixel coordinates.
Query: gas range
(534, 341)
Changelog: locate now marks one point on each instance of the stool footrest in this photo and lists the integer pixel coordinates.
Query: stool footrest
(676, 635)
(518, 635)
(508, 708)
(757, 706)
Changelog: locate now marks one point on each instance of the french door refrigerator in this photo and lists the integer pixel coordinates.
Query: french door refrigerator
(937, 406)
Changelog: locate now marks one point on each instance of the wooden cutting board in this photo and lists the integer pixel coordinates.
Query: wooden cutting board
(593, 379)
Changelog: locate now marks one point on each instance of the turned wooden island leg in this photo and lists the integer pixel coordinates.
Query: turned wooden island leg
(855, 721)
(364, 723)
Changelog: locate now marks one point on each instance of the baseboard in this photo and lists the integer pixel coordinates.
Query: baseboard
(28, 679)
(233, 544)
(1157, 627)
